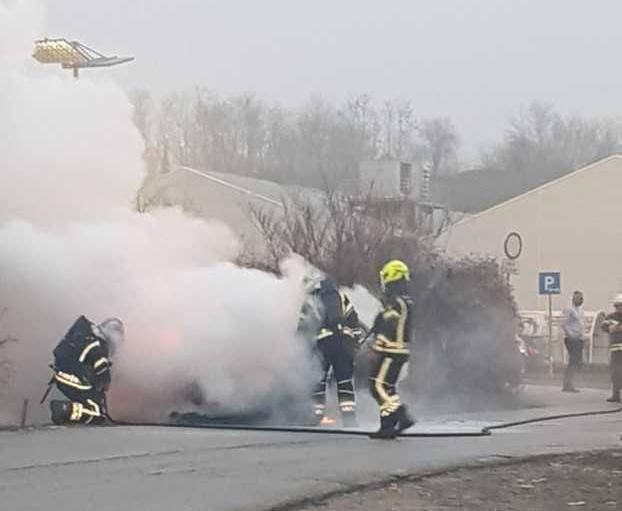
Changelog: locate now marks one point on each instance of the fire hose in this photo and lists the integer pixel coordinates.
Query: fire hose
(486, 431)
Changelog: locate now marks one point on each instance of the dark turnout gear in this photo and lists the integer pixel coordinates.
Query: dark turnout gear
(330, 318)
(616, 376)
(392, 333)
(385, 374)
(613, 325)
(393, 325)
(82, 374)
(337, 354)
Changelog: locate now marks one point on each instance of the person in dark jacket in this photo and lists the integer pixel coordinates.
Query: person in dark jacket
(613, 326)
(392, 332)
(82, 371)
(330, 320)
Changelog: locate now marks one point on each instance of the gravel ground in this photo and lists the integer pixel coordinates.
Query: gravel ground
(590, 481)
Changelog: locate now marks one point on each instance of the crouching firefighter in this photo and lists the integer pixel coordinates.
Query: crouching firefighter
(82, 371)
(330, 320)
(392, 332)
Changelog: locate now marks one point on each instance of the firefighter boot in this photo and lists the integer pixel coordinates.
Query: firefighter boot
(387, 429)
(61, 411)
(404, 419)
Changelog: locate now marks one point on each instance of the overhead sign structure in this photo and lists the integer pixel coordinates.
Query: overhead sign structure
(73, 55)
(550, 283)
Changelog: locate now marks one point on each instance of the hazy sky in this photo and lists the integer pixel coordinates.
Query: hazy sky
(476, 61)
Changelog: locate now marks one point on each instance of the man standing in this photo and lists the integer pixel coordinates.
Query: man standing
(613, 325)
(392, 331)
(329, 318)
(574, 329)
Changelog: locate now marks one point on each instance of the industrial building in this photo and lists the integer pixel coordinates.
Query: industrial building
(570, 225)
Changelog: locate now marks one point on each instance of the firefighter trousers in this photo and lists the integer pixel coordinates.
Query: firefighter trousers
(615, 365)
(86, 406)
(336, 352)
(385, 373)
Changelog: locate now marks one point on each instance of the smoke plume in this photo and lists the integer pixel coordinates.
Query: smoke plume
(70, 244)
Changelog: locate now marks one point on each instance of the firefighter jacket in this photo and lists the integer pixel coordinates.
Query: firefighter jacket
(81, 358)
(393, 326)
(329, 312)
(613, 325)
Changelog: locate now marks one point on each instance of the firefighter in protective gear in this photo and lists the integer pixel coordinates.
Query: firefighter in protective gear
(82, 371)
(613, 326)
(330, 320)
(392, 333)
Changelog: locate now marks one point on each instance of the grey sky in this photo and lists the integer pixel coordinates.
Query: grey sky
(473, 60)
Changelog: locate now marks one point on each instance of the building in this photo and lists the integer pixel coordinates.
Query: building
(478, 189)
(229, 198)
(571, 225)
(386, 179)
(398, 189)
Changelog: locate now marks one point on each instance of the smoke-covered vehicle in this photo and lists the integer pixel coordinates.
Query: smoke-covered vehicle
(196, 407)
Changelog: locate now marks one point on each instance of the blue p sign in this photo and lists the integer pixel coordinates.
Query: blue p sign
(550, 283)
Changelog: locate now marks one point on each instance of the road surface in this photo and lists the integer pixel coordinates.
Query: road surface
(158, 468)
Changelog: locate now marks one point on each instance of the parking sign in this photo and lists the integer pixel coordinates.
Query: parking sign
(550, 283)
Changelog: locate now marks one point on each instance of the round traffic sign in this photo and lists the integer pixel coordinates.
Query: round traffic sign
(513, 245)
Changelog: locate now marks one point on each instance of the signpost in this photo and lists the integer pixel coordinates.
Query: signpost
(513, 247)
(549, 283)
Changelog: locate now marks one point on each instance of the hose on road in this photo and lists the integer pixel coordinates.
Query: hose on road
(486, 431)
(545, 418)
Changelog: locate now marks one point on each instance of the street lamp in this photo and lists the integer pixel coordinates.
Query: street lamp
(73, 55)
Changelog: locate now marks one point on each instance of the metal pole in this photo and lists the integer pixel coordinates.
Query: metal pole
(550, 347)
(24, 418)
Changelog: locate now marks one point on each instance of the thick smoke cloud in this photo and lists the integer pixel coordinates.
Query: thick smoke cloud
(70, 163)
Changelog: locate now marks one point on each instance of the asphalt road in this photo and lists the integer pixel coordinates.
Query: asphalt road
(158, 468)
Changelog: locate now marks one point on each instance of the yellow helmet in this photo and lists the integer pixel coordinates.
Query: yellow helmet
(393, 271)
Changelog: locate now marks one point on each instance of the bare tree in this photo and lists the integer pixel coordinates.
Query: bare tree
(143, 114)
(439, 146)
(465, 311)
(540, 144)
(398, 128)
(318, 145)
(328, 231)
(363, 124)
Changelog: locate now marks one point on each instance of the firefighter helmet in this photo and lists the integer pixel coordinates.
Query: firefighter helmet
(617, 299)
(312, 282)
(393, 271)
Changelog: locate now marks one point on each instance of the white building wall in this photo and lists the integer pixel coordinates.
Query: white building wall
(380, 177)
(572, 225)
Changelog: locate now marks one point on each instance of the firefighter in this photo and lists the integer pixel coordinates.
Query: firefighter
(330, 320)
(613, 326)
(82, 371)
(392, 333)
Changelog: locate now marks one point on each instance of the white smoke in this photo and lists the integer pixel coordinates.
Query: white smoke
(366, 304)
(70, 163)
